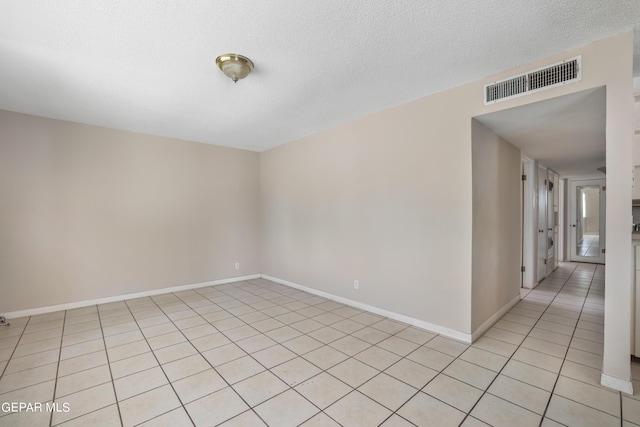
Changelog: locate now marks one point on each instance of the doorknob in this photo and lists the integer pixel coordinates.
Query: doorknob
(540, 231)
(573, 225)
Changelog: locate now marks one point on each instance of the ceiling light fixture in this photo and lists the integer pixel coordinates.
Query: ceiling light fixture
(234, 66)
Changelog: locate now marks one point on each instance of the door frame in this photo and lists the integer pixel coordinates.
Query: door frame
(573, 184)
(529, 222)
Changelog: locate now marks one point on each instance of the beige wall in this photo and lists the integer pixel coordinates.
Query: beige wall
(375, 200)
(89, 212)
(496, 256)
(387, 199)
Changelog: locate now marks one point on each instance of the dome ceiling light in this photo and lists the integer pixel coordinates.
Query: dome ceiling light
(234, 66)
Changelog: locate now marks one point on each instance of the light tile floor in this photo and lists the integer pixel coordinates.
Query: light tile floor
(257, 353)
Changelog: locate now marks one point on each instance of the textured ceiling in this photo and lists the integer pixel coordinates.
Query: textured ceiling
(149, 65)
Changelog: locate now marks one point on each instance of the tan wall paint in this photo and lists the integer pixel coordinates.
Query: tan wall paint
(387, 199)
(89, 212)
(372, 200)
(497, 226)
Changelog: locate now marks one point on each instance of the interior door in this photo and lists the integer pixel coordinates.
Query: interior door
(542, 223)
(587, 220)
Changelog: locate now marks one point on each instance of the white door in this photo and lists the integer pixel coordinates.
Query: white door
(542, 223)
(587, 220)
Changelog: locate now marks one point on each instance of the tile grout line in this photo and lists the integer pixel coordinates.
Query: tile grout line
(486, 390)
(568, 346)
(55, 384)
(113, 383)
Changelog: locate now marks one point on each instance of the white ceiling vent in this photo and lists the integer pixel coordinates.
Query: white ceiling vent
(567, 71)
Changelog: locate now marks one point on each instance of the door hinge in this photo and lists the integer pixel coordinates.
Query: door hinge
(545, 262)
(604, 188)
(522, 269)
(524, 177)
(604, 250)
(545, 182)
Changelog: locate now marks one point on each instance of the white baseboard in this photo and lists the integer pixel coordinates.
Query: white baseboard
(493, 319)
(86, 303)
(624, 386)
(450, 333)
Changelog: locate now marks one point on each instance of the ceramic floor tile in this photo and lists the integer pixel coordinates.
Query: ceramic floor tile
(412, 373)
(82, 363)
(585, 358)
(223, 354)
(132, 365)
(26, 419)
(174, 352)
(323, 390)
(239, 369)
(530, 374)
(320, 420)
(522, 394)
(353, 372)
(23, 363)
(630, 410)
(387, 391)
(27, 349)
(349, 326)
(377, 357)
(453, 392)
(471, 374)
(139, 382)
(177, 417)
(286, 409)
(127, 350)
(595, 397)
(572, 413)
(426, 411)
(431, 358)
(488, 360)
(185, 367)
(258, 388)
(302, 344)
(105, 417)
(42, 392)
(255, 343)
(500, 413)
(283, 334)
(545, 347)
(447, 346)
(11, 382)
(84, 402)
(198, 385)
(209, 342)
(357, 410)
(327, 334)
(416, 335)
(296, 371)
(273, 356)
(396, 421)
(166, 340)
(506, 336)
(146, 406)
(325, 357)
(245, 419)
(537, 359)
(82, 380)
(494, 346)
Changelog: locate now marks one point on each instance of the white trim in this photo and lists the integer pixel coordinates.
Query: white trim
(493, 319)
(450, 333)
(86, 303)
(529, 223)
(624, 386)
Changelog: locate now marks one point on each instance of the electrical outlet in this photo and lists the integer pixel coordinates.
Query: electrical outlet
(237, 266)
(356, 284)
